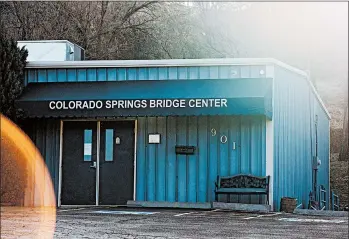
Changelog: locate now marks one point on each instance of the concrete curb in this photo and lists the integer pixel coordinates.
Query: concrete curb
(321, 213)
(169, 204)
(214, 205)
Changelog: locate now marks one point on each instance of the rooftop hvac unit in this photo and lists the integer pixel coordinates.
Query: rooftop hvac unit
(53, 50)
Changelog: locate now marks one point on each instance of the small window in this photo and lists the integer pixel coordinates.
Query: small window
(109, 144)
(87, 144)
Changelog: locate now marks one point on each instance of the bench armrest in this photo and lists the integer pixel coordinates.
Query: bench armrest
(268, 183)
(216, 183)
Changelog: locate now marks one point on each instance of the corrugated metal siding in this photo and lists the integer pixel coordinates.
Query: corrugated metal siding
(161, 174)
(323, 150)
(144, 73)
(295, 107)
(45, 135)
(164, 176)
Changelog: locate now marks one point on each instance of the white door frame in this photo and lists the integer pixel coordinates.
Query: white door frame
(270, 159)
(59, 196)
(98, 154)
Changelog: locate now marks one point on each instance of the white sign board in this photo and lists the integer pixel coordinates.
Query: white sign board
(154, 139)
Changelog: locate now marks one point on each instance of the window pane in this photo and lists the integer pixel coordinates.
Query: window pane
(109, 135)
(87, 144)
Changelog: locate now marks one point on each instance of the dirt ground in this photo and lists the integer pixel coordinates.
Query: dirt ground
(167, 223)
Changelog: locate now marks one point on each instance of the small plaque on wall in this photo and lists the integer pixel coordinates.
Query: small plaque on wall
(154, 139)
(185, 149)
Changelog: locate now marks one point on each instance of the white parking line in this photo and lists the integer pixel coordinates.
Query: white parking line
(266, 215)
(206, 213)
(72, 209)
(216, 210)
(124, 212)
(182, 214)
(311, 220)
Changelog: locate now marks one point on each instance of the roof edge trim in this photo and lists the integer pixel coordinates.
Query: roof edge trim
(161, 63)
(319, 98)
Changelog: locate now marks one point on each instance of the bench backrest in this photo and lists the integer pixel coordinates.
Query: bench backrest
(243, 181)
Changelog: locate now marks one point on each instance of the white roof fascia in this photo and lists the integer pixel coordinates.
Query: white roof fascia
(161, 63)
(318, 98)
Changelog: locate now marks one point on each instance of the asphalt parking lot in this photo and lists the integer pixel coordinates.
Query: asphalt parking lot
(169, 223)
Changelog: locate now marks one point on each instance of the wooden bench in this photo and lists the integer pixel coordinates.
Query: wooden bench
(242, 184)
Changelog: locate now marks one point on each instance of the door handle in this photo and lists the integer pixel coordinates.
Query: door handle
(94, 165)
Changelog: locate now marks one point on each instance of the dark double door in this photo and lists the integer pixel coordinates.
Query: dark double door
(86, 177)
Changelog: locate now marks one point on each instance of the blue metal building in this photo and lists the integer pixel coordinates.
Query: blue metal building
(108, 129)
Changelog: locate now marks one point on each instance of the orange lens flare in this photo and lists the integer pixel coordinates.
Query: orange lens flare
(35, 213)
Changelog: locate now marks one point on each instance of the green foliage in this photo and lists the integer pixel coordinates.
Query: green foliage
(12, 64)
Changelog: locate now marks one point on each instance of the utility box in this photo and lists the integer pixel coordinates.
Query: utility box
(316, 162)
(53, 50)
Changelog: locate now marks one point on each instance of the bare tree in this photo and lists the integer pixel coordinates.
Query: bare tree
(121, 30)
